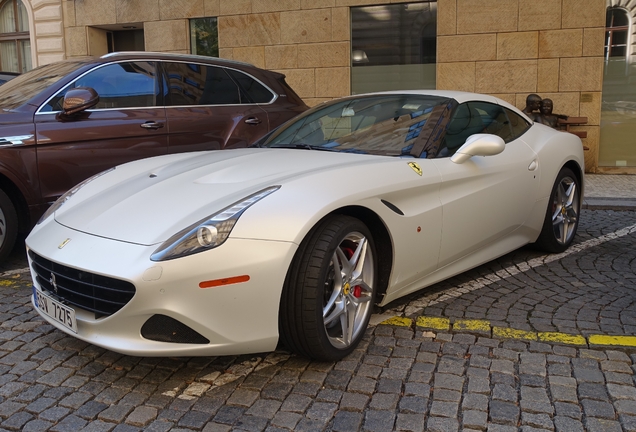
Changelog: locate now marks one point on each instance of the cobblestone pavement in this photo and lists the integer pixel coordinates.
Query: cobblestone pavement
(399, 378)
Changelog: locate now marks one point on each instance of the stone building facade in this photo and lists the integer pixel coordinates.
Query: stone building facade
(507, 48)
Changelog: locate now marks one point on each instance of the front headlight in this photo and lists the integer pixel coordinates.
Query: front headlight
(209, 232)
(61, 200)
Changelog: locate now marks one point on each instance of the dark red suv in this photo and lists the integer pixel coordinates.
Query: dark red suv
(64, 122)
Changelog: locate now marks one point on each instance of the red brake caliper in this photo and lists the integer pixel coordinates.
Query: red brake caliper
(357, 290)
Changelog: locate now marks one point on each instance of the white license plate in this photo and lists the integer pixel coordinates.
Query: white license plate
(56, 310)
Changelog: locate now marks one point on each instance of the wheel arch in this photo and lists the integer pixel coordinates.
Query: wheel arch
(578, 172)
(17, 198)
(381, 238)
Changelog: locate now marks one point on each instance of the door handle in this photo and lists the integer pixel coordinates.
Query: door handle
(253, 121)
(151, 125)
(533, 165)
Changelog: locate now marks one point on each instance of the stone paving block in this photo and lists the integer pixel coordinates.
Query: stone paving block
(567, 424)
(379, 421)
(142, 416)
(115, 413)
(409, 422)
(440, 424)
(598, 409)
(593, 391)
(345, 421)
(17, 421)
(504, 412)
(622, 391)
(287, 420)
(602, 425)
(477, 402)
(474, 419)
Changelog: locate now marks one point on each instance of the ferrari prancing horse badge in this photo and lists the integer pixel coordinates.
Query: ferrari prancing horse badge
(416, 168)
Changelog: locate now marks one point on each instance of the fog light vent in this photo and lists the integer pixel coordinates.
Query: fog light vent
(162, 328)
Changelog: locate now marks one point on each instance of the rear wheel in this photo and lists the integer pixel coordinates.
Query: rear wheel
(8, 226)
(562, 216)
(330, 290)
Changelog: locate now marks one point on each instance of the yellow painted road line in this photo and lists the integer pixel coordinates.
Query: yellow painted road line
(510, 333)
(398, 321)
(435, 323)
(484, 326)
(562, 338)
(471, 325)
(629, 341)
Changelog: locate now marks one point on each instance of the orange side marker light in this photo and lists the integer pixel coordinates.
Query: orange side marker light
(224, 281)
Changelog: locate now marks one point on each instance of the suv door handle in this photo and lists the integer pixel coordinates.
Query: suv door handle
(151, 125)
(253, 121)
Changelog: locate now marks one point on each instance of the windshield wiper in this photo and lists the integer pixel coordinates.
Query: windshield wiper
(302, 146)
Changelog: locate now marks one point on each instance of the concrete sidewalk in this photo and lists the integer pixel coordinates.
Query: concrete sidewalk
(610, 192)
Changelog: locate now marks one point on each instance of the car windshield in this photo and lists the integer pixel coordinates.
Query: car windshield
(387, 124)
(24, 87)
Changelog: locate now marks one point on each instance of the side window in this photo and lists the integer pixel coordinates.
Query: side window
(465, 121)
(519, 124)
(494, 119)
(195, 84)
(119, 85)
(255, 91)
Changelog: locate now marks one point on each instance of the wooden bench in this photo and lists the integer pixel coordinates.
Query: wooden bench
(564, 124)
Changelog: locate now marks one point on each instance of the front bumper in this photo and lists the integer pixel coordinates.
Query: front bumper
(237, 319)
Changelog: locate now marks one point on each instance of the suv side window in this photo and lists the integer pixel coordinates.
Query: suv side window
(119, 85)
(195, 84)
(518, 123)
(256, 92)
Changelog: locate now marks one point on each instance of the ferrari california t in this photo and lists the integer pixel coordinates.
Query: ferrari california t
(353, 203)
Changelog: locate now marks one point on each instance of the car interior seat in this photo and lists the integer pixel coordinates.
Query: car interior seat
(466, 122)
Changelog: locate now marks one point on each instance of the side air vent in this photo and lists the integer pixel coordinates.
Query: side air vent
(392, 207)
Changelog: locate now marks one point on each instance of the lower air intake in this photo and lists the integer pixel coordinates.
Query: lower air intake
(162, 328)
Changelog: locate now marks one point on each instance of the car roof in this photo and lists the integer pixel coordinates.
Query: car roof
(120, 55)
(460, 97)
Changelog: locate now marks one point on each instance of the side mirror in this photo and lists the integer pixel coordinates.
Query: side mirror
(79, 99)
(479, 145)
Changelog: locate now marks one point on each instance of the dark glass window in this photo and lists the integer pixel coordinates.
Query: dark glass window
(617, 30)
(119, 85)
(393, 46)
(204, 37)
(519, 124)
(479, 117)
(194, 84)
(255, 91)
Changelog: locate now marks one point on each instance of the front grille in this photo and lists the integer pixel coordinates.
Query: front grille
(99, 294)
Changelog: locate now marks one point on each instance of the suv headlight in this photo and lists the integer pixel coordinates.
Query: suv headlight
(208, 233)
(61, 200)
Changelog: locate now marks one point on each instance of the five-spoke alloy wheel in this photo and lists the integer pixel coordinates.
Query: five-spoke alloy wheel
(562, 216)
(330, 290)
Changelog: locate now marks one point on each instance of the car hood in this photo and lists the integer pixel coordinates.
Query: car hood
(148, 201)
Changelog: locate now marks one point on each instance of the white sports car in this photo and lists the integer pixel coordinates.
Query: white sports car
(356, 202)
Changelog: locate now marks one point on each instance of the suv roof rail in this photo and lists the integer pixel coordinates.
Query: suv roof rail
(173, 55)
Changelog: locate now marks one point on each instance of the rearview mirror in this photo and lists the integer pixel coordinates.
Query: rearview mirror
(78, 99)
(479, 145)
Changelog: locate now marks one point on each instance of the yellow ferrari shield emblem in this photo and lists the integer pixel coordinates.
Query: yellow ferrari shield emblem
(416, 168)
(346, 288)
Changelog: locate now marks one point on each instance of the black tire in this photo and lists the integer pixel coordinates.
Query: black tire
(8, 226)
(312, 285)
(562, 215)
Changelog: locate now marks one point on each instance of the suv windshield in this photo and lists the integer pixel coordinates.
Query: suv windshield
(387, 124)
(24, 87)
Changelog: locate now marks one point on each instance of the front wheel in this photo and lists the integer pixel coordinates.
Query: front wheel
(330, 290)
(562, 216)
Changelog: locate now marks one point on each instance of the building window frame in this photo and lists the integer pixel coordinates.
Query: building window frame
(204, 36)
(19, 37)
(612, 30)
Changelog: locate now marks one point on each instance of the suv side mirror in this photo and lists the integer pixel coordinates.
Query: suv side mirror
(78, 99)
(479, 145)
